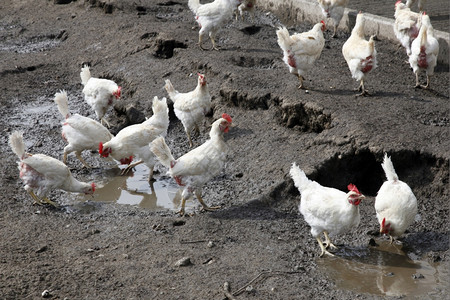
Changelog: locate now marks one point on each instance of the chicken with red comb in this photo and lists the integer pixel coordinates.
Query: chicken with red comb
(132, 141)
(41, 173)
(301, 50)
(395, 204)
(191, 107)
(326, 210)
(195, 168)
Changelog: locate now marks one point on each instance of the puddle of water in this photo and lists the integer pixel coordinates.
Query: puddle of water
(384, 270)
(134, 189)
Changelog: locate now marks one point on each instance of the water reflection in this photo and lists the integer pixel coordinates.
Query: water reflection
(134, 189)
(383, 270)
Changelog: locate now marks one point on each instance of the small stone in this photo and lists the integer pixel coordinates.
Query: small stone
(249, 289)
(390, 274)
(210, 244)
(185, 261)
(41, 249)
(418, 276)
(46, 294)
(306, 91)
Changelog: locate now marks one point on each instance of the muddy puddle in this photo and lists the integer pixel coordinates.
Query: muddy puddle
(384, 270)
(134, 189)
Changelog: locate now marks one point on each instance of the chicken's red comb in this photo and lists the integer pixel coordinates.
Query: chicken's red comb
(100, 148)
(118, 92)
(227, 117)
(383, 222)
(424, 13)
(399, 1)
(93, 187)
(353, 188)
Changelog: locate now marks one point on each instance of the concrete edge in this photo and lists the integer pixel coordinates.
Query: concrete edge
(304, 10)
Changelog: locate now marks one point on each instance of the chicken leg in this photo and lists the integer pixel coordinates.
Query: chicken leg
(300, 79)
(420, 86)
(328, 242)
(198, 194)
(130, 166)
(362, 89)
(105, 123)
(78, 155)
(35, 198)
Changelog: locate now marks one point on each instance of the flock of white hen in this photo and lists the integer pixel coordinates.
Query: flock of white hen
(326, 210)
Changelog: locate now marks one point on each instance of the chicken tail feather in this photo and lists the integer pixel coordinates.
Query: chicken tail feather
(299, 177)
(283, 38)
(61, 101)
(85, 74)
(16, 143)
(194, 5)
(162, 151)
(170, 90)
(388, 168)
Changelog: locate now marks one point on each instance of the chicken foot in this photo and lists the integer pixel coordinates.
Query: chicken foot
(362, 89)
(39, 201)
(421, 86)
(322, 247)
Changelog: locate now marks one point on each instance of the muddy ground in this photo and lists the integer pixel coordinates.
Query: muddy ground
(94, 250)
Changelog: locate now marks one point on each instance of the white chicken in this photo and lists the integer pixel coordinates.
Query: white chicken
(360, 54)
(133, 141)
(198, 166)
(326, 210)
(301, 50)
(333, 9)
(99, 93)
(424, 51)
(190, 108)
(211, 16)
(395, 204)
(246, 5)
(406, 28)
(41, 173)
(81, 133)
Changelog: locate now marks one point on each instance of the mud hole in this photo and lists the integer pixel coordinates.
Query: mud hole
(126, 242)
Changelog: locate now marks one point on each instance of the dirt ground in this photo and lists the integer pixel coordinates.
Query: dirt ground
(95, 250)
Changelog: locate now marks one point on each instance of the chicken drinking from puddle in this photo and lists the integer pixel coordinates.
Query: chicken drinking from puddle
(395, 204)
(301, 50)
(41, 173)
(195, 168)
(133, 141)
(191, 108)
(326, 210)
(99, 93)
(81, 133)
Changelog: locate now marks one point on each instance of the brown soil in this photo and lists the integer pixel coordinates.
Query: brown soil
(109, 251)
